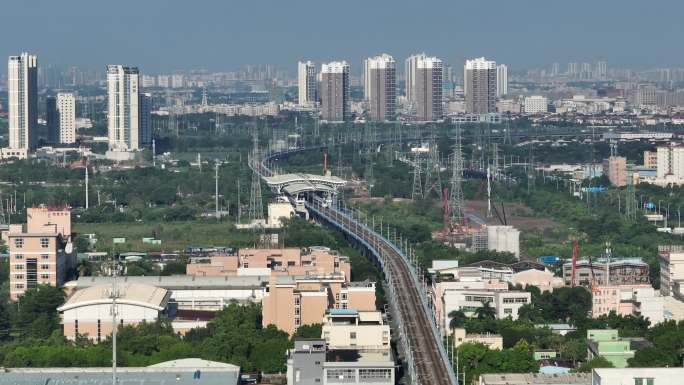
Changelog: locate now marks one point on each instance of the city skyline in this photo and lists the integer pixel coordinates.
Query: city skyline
(222, 35)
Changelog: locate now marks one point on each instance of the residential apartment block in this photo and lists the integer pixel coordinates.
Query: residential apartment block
(335, 92)
(345, 328)
(380, 87)
(638, 300)
(291, 302)
(40, 251)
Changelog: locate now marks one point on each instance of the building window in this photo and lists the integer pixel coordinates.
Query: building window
(19, 286)
(19, 267)
(344, 296)
(352, 335)
(19, 276)
(375, 375)
(44, 242)
(45, 256)
(19, 256)
(341, 375)
(76, 327)
(18, 243)
(45, 276)
(44, 266)
(99, 331)
(508, 311)
(643, 381)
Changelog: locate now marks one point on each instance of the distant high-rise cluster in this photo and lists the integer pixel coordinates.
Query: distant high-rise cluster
(424, 75)
(22, 90)
(306, 77)
(380, 87)
(335, 92)
(480, 85)
(61, 118)
(128, 109)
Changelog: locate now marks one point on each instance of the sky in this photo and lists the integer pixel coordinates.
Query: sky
(169, 35)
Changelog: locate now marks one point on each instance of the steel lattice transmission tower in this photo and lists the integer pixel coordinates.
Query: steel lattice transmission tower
(456, 205)
(256, 205)
(417, 192)
(433, 178)
(631, 199)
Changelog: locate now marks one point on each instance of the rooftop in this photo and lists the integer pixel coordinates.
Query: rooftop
(129, 293)
(535, 379)
(179, 282)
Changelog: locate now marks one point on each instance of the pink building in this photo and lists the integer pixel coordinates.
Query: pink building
(615, 168)
(39, 252)
(286, 261)
(291, 301)
(637, 299)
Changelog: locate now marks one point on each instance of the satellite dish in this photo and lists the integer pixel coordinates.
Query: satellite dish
(69, 248)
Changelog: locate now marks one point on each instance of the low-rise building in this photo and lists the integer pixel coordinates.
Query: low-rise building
(624, 300)
(637, 376)
(490, 340)
(284, 261)
(624, 271)
(192, 294)
(88, 312)
(671, 259)
(535, 379)
(505, 303)
(535, 104)
(310, 362)
(545, 280)
(291, 302)
(186, 371)
(561, 329)
(345, 328)
(606, 343)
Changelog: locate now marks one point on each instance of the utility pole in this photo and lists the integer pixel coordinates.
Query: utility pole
(86, 184)
(216, 196)
(456, 199)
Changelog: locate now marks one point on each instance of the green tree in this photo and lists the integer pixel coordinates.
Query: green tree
(309, 331)
(458, 319)
(37, 311)
(486, 311)
(597, 362)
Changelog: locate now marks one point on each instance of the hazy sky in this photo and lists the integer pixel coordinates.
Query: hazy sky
(160, 35)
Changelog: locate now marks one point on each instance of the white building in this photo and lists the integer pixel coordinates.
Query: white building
(22, 95)
(307, 84)
(177, 81)
(501, 80)
(128, 110)
(410, 66)
(346, 328)
(535, 104)
(637, 376)
(163, 81)
(66, 108)
(506, 303)
(671, 259)
(670, 164)
(149, 81)
(504, 239)
(277, 211)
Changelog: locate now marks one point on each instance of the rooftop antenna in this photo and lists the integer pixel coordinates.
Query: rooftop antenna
(204, 97)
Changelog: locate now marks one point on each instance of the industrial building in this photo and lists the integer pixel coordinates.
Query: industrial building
(192, 293)
(88, 312)
(624, 271)
(188, 371)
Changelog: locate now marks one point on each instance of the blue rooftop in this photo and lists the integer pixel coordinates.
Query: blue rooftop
(343, 312)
